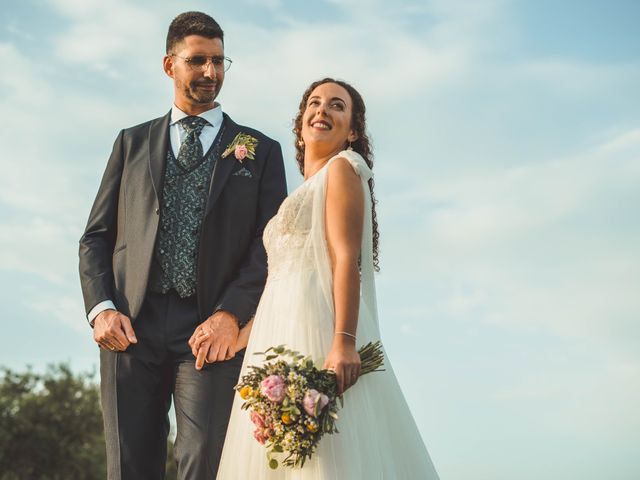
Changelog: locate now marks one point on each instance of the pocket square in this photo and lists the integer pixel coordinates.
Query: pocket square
(243, 172)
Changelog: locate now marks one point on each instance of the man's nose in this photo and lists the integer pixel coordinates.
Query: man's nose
(210, 70)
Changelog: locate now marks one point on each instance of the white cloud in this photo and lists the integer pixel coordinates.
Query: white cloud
(106, 36)
(39, 246)
(528, 247)
(573, 78)
(23, 81)
(66, 309)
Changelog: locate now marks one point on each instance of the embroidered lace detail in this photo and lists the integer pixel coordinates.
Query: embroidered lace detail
(287, 232)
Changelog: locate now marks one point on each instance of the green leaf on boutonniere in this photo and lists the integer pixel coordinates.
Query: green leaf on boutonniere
(243, 146)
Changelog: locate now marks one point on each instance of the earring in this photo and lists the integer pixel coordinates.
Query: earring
(300, 143)
(349, 147)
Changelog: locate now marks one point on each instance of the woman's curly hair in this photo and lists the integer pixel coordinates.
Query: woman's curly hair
(362, 145)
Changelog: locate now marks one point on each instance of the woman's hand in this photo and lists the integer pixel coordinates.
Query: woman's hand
(344, 360)
(243, 336)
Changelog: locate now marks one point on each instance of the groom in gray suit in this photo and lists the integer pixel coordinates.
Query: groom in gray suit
(172, 248)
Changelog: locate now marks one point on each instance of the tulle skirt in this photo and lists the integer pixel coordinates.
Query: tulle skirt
(378, 437)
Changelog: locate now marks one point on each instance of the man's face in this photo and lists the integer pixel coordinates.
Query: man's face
(195, 86)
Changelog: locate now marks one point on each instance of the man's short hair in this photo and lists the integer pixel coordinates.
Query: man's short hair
(192, 23)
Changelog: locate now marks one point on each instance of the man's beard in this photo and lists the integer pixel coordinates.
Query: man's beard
(196, 95)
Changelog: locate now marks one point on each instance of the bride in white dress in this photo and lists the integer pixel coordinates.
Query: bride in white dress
(320, 300)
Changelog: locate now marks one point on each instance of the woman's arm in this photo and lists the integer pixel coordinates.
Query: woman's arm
(243, 336)
(344, 224)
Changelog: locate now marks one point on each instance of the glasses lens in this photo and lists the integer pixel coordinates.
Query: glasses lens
(198, 61)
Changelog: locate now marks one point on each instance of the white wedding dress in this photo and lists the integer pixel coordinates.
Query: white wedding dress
(378, 437)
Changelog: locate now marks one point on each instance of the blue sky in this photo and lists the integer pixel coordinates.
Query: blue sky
(507, 141)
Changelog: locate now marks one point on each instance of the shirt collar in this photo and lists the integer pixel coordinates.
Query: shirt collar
(213, 116)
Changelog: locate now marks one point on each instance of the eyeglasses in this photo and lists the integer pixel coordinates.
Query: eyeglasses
(201, 62)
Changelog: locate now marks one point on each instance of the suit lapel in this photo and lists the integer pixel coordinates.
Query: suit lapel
(223, 166)
(158, 144)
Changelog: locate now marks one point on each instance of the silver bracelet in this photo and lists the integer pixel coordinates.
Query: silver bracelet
(347, 333)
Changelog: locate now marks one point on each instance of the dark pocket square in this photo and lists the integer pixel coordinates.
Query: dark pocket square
(243, 172)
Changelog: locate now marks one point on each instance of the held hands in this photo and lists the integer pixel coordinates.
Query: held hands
(344, 360)
(214, 340)
(113, 331)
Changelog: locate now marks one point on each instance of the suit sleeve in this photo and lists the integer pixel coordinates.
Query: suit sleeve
(243, 294)
(98, 241)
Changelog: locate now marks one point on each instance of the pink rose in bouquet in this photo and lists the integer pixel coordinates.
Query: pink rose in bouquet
(274, 388)
(257, 419)
(259, 435)
(310, 399)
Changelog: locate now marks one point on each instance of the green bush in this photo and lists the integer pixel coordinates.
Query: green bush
(51, 426)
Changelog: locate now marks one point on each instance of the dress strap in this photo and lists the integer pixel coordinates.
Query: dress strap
(356, 161)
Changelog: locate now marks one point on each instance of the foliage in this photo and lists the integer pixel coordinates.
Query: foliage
(51, 426)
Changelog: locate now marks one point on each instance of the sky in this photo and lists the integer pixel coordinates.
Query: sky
(507, 159)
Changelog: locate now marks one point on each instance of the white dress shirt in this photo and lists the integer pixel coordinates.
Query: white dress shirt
(177, 134)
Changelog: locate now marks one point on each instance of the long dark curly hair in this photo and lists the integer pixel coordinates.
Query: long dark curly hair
(362, 145)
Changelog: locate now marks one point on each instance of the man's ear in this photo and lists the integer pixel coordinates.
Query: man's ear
(167, 65)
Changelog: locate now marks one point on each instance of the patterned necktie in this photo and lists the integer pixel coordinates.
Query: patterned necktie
(190, 153)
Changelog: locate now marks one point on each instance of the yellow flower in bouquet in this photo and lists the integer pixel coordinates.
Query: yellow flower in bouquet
(246, 392)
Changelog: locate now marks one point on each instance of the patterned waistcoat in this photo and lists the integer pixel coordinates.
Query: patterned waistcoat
(184, 200)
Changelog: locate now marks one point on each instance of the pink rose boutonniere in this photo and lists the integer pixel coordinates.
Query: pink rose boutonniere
(243, 146)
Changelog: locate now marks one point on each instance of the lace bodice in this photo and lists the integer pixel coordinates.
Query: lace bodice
(286, 234)
(295, 237)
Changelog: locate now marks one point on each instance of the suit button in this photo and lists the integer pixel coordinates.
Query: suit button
(157, 211)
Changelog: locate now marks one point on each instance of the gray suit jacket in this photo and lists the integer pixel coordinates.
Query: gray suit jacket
(117, 246)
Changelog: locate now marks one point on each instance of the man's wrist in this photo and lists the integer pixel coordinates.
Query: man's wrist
(232, 315)
(98, 309)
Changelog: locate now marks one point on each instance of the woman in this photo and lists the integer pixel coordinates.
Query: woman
(322, 249)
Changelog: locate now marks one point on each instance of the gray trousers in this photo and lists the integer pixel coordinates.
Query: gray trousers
(138, 385)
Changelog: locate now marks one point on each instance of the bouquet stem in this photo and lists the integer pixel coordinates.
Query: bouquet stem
(371, 358)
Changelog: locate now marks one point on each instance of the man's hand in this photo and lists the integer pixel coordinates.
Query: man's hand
(113, 331)
(214, 340)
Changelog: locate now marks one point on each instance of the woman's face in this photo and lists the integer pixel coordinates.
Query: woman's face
(326, 121)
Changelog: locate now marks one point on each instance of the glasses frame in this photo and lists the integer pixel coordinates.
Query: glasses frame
(226, 62)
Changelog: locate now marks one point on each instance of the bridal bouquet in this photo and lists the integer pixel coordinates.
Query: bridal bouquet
(293, 404)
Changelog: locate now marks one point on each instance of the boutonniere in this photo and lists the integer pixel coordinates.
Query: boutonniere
(243, 146)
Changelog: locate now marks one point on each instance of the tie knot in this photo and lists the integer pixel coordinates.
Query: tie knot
(193, 124)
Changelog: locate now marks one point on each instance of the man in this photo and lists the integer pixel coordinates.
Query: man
(173, 251)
